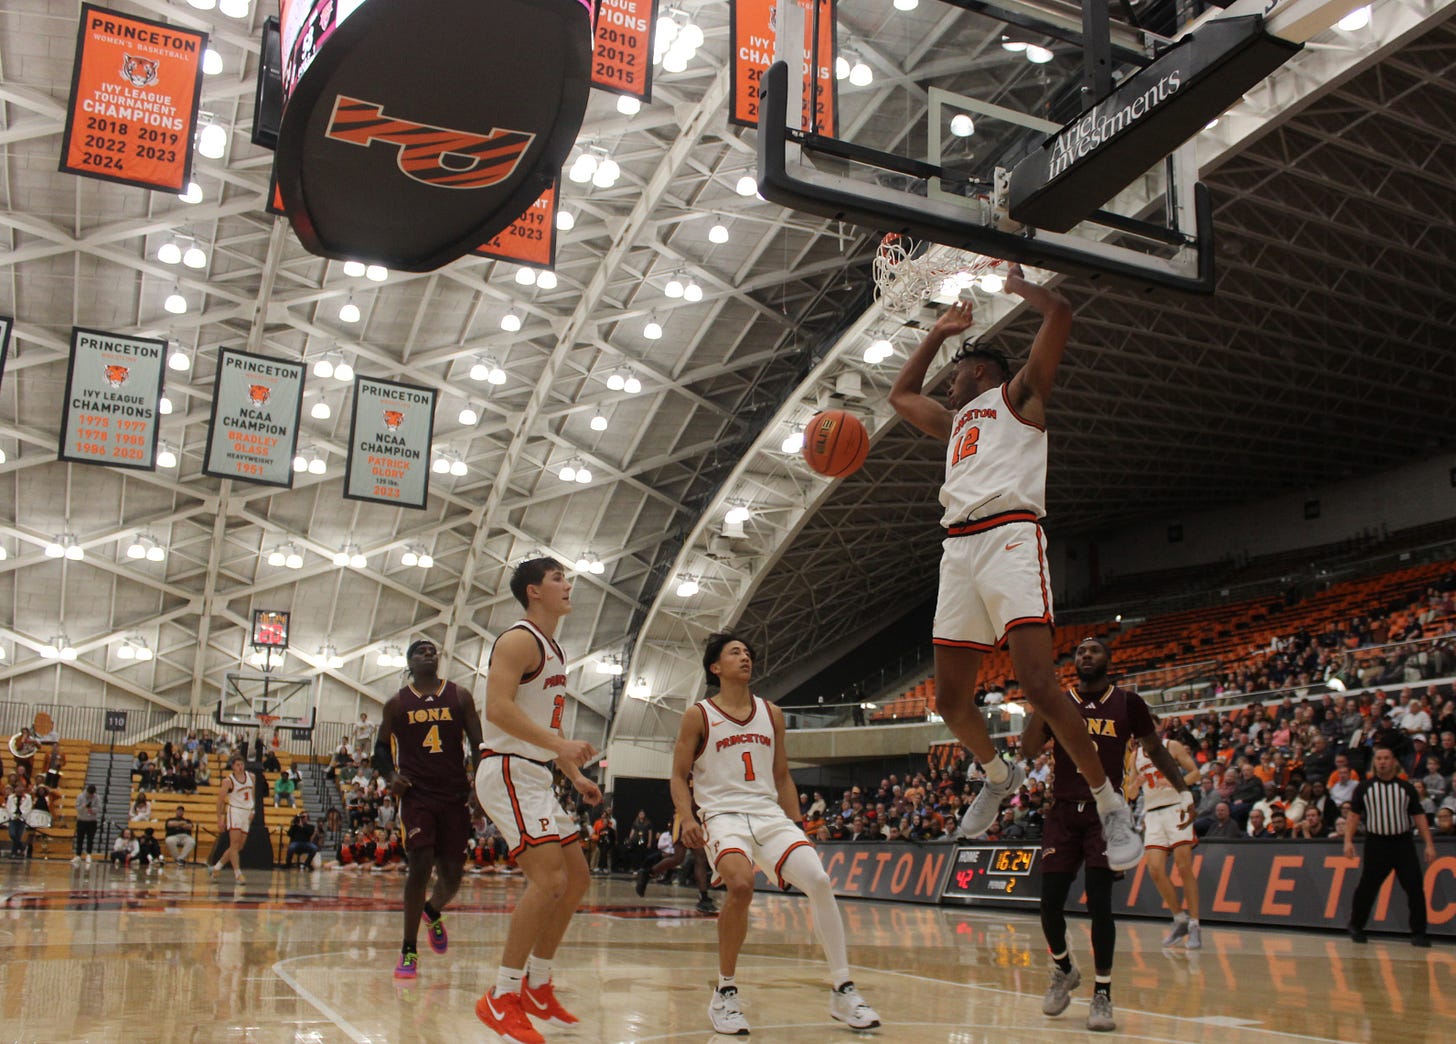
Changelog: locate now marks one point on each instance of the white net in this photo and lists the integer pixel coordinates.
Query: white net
(904, 280)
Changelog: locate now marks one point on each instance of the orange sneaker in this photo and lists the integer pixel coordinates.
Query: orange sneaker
(540, 1002)
(504, 1015)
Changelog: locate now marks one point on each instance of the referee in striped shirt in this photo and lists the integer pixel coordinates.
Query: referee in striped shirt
(1389, 806)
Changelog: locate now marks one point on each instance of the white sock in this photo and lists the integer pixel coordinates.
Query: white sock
(538, 971)
(997, 771)
(1193, 922)
(726, 982)
(1107, 798)
(508, 980)
(1180, 917)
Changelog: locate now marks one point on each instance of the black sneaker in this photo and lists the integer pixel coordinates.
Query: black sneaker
(1358, 935)
(1421, 941)
(641, 885)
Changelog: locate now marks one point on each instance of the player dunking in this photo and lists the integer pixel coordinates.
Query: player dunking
(994, 588)
(1111, 718)
(235, 800)
(733, 747)
(1164, 831)
(421, 749)
(525, 696)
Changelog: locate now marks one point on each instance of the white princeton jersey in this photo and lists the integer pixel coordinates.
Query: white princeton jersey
(1157, 791)
(541, 695)
(995, 462)
(240, 795)
(733, 770)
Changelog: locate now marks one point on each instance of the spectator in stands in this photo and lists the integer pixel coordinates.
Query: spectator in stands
(270, 762)
(168, 763)
(1257, 826)
(1416, 718)
(639, 840)
(1437, 785)
(149, 852)
(88, 818)
(1278, 825)
(1321, 802)
(1427, 805)
(387, 814)
(1342, 789)
(283, 790)
(1270, 803)
(180, 839)
(303, 841)
(1310, 826)
(204, 773)
(1224, 825)
(817, 807)
(124, 849)
(1247, 791)
(186, 781)
(341, 757)
(1445, 823)
(141, 809)
(1319, 760)
(363, 735)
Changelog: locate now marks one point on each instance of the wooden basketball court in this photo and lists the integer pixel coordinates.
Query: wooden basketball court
(107, 955)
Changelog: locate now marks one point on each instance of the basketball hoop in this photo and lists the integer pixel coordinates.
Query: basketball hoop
(266, 720)
(905, 279)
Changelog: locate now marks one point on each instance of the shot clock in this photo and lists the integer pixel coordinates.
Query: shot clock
(994, 872)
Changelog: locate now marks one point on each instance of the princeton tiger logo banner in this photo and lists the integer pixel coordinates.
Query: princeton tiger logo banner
(257, 405)
(134, 97)
(391, 432)
(531, 238)
(113, 388)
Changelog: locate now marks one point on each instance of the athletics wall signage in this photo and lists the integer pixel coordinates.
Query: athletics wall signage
(753, 32)
(531, 238)
(412, 134)
(113, 387)
(625, 32)
(257, 403)
(390, 432)
(134, 96)
(899, 872)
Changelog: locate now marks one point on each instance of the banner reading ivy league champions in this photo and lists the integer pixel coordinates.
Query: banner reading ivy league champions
(113, 387)
(257, 403)
(390, 434)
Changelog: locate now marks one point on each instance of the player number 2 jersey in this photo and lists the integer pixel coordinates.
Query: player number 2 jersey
(733, 771)
(994, 462)
(1157, 791)
(541, 695)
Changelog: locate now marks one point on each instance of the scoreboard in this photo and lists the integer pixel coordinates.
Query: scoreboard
(1000, 872)
(270, 629)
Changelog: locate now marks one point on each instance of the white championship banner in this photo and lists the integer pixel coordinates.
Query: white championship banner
(257, 404)
(391, 430)
(113, 386)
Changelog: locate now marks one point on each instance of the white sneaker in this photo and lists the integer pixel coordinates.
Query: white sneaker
(1195, 937)
(1099, 1014)
(1059, 990)
(982, 811)
(76, 861)
(1180, 929)
(846, 1005)
(725, 1014)
(1124, 846)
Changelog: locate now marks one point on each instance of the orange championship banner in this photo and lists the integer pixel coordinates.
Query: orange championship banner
(752, 34)
(531, 238)
(134, 97)
(624, 33)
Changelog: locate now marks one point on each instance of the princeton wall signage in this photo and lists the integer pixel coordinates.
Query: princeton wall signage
(624, 33)
(531, 238)
(753, 33)
(113, 387)
(134, 96)
(257, 403)
(390, 435)
(899, 872)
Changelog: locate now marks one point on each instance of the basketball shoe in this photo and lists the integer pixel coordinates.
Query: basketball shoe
(706, 904)
(848, 1007)
(1099, 1015)
(540, 1002)
(439, 938)
(1059, 991)
(726, 1015)
(1195, 937)
(1179, 930)
(408, 966)
(640, 887)
(981, 812)
(504, 1015)
(1124, 845)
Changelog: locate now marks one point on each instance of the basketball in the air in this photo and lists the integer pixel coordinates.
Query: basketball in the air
(835, 443)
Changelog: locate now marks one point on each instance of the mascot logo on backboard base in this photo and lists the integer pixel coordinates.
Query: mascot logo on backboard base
(139, 72)
(436, 156)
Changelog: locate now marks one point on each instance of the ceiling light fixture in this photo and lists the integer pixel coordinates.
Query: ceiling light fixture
(193, 194)
(169, 253)
(354, 269)
(565, 220)
(376, 273)
(212, 139)
(546, 280)
(599, 422)
(1038, 55)
(627, 105)
(166, 457)
(718, 233)
(175, 302)
(179, 359)
(1355, 21)
(687, 586)
(211, 62)
(510, 322)
(349, 311)
(468, 415)
(962, 126)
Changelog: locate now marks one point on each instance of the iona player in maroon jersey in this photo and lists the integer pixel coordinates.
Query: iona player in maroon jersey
(430, 727)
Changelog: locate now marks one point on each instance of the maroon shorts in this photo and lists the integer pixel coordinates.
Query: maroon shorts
(1072, 835)
(438, 823)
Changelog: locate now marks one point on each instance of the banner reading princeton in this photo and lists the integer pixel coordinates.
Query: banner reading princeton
(113, 388)
(753, 29)
(257, 404)
(390, 435)
(531, 238)
(624, 34)
(134, 97)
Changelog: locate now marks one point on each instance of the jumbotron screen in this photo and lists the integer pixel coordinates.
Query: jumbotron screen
(305, 25)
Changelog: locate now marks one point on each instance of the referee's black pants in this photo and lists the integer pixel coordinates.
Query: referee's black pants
(1382, 855)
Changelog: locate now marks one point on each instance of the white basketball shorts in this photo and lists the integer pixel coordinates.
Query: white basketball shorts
(992, 579)
(239, 818)
(766, 840)
(516, 794)
(1161, 830)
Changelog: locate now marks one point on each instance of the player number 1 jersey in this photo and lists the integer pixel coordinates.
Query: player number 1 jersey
(733, 770)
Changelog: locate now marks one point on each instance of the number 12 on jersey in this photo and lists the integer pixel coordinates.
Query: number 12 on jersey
(966, 447)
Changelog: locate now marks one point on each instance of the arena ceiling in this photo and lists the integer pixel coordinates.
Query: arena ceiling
(1336, 251)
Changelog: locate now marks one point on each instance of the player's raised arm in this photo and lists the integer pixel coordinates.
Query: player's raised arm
(907, 396)
(788, 794)
(1030, 389)
(684, 753)
(517, 655)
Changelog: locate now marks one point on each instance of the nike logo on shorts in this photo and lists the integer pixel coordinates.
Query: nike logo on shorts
(1013, 547)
